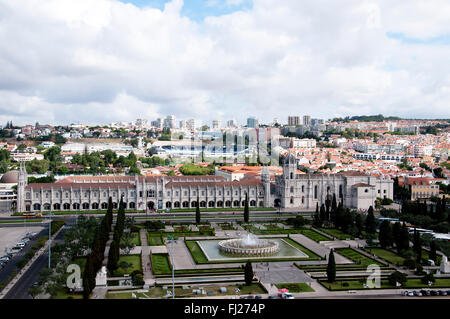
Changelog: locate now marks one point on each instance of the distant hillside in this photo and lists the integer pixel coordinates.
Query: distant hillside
(367, 118)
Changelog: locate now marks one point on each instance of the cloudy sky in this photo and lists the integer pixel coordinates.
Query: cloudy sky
(98, 61)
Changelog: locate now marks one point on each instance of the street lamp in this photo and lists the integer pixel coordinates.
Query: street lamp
(171, 238)
(49, 238)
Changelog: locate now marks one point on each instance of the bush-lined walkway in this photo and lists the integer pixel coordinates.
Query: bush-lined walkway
(145, 258)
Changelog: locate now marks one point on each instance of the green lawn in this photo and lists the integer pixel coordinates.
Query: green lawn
(387, 255)
(296, 287)
(358, 284)
(314, 235)
(64, 294)
(196, 252)
(155, 240)
(28, 221)
(161, 264)
(336, 233)
(310, 253)
(134, 260)
(136, 240)
(158, 292)
(358, 258)
(200, 258)
(227, 226)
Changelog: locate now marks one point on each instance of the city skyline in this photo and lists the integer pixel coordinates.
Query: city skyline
(66, 61)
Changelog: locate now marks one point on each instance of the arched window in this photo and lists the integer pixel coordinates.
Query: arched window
(316, 190)
(292, 200)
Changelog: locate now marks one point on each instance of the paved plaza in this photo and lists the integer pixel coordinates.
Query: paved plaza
(9, 236)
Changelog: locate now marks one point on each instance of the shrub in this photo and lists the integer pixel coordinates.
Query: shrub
(410, 263)
(345, 284)
(138, 280)
(397, 276)
(119, 272)
(427, 278)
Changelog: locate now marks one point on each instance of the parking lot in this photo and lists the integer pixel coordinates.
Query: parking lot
(9, 236)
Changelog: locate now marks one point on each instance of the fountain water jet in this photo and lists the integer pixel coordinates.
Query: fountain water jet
(248, 245)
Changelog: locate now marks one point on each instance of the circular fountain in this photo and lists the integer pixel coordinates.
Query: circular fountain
(248, 245)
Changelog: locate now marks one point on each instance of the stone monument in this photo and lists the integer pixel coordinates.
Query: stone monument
(100, 279)
(445, 265)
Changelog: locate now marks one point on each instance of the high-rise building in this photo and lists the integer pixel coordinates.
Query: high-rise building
(252, 122)
(169, 122)
(141, 122)
(306, 120)
(158, 123)
(231, 123)
(216, 124)
(190, 124)
(293, 120)
(183, 125)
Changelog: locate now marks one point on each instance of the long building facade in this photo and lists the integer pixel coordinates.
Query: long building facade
(289, 190)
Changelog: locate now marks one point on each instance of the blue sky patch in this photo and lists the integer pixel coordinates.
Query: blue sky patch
(199, 9)
(440, 40)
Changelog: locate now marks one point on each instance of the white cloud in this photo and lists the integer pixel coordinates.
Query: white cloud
(103, 60)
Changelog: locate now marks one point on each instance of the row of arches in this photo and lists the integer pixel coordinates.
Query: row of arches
(78, 206)
(209, 204)
(151, 205)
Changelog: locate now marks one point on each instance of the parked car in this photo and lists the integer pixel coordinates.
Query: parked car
(442, 293)
(417, 293)
(21, 245)
(287, 295)
(434, 293)
(251, 297)
(411, 294)
(258, 297)
(405, 293)
(25, 240)
(272, 297)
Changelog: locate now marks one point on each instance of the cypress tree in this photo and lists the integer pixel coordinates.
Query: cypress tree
(370, 222)
(113, 257)
(331, 267)
(396, 232)
(246, 211)
(385, 236)
(316, 216)
(433, 255)
(88, 277)
(248, 273)
(197, 212)
(109, 214)
(359, 224)
(404, 238)
(417, 246)
(322, 214)
(333, 209)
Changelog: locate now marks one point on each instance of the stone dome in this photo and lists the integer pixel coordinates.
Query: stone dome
(10, 177)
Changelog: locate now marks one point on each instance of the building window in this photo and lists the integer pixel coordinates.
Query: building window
(316, 190)
(292, 200)
(366, 190)
(292, 175)
(303, 188)
(292, 189)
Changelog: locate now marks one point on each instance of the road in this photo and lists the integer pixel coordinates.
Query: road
(20, 289)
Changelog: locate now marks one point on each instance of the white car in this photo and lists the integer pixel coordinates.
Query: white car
(287, 295)
(20, 245)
